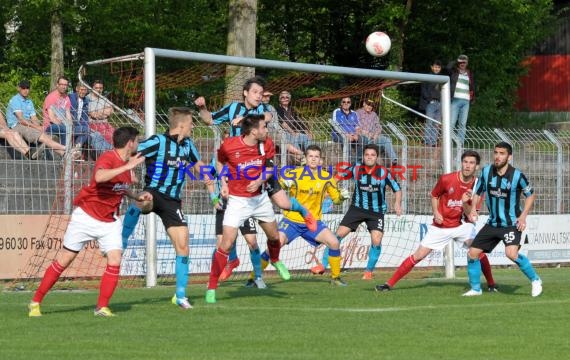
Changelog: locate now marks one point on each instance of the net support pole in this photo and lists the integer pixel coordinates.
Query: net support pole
(559, 169)
(446, 156)
(150, 129)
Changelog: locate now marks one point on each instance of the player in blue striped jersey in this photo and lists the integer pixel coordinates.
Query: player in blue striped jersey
(235, 111)
(368, 205)
(503, 185)
(169, 158)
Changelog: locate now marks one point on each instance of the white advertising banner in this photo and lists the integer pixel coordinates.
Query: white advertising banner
(547, 240)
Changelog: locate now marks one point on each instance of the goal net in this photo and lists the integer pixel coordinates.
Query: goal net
(316, 91)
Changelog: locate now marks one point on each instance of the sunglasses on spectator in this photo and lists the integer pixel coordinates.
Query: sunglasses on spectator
(346, 102)
(285, 97)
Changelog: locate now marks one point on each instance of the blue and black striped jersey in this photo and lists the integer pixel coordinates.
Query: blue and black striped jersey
(503, 194)
(167, 163)
(231, 111)
(370, 188)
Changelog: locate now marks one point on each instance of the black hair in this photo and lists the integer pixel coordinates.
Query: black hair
(471, 153)
(505, 145)
(250, 122)
(313, 147)
(123, 135)
(373, 147)
(254, 80)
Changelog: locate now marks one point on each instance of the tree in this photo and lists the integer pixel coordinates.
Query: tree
(241, 42)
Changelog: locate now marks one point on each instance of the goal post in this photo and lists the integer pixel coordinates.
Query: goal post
(151, 54)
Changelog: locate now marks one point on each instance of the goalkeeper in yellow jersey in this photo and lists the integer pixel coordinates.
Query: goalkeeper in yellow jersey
(309, 184)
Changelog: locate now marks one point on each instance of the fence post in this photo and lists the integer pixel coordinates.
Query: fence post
(559, 171)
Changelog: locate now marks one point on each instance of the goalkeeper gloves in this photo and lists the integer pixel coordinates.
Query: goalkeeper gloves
(287, 183)
(344, 194)
(216, 201)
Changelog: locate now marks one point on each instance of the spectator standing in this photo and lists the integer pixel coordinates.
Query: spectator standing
(462, 94)
(431, 106)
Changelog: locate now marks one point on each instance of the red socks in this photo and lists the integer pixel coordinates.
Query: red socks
(273, 248)
(108, 285)
(50, 278)
(219, 261)
(405, 267)
(486, 269)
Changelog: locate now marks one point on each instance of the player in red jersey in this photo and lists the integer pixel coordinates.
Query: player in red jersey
(95, 218)
(249, 162)
(451, 197)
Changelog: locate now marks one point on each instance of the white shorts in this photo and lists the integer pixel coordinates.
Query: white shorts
(437, 238)
(240, 208)
(83, 228)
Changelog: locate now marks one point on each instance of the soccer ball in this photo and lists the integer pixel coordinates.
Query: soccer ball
(378, 43)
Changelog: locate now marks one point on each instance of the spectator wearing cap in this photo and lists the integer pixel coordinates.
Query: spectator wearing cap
(21, 117)
(431, 106)
(298, 133)
(462, 94)
(371, 130)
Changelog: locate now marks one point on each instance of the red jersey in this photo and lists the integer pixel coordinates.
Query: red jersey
(449, 189)
(102, 200)
(244, 163)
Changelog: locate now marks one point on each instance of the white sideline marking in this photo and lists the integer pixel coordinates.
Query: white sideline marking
(387, 309)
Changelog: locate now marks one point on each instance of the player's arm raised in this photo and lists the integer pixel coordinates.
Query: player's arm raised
(104, 175)
(206, 116)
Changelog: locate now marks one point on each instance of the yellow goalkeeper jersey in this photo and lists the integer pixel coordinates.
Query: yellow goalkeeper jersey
(309, 188)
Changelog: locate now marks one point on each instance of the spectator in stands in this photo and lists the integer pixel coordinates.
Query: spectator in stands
(430, 104)
(56, 110)
(347, 120)
(462, 90)
(371, 130)
(100, 110)
(274, 128)
(296, 129)
(265, 99)
(14, 139)
(83, 136)
(22, 119)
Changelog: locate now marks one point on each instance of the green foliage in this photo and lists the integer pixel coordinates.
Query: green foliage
(301, 319)
(496, 34)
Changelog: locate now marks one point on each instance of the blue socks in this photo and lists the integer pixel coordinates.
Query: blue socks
(265, 256)
(373, 256)
(129, 223)
(474, 273)
(181, 270)
(255, 256)
(295, 206)
(526, 267)
(233, 253)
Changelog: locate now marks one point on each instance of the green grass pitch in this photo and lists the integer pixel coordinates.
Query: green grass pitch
(301, 319)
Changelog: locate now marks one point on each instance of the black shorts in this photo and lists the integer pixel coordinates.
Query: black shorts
(168, 209)
(248, 226)
(272, 186)
(489, 236)
(355, 216)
